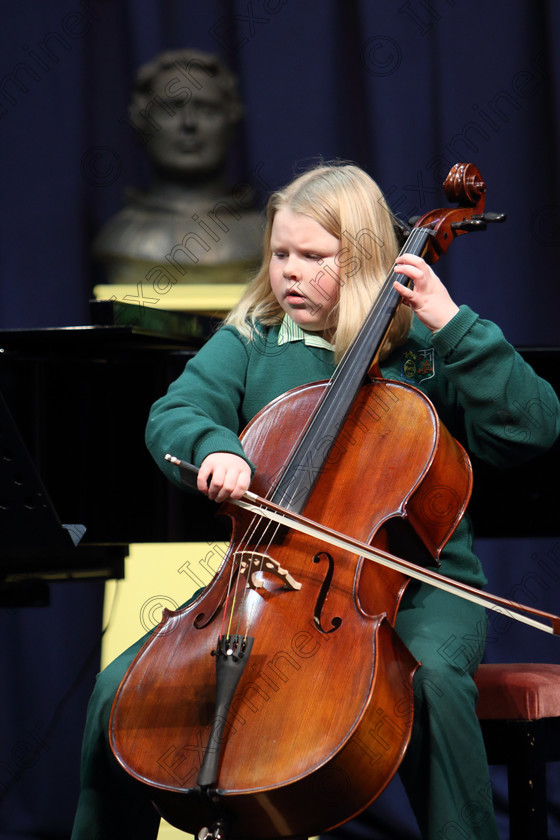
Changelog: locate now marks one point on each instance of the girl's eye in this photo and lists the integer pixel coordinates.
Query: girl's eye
(278, 254)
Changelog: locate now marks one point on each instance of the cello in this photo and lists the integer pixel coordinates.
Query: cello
(284, 683)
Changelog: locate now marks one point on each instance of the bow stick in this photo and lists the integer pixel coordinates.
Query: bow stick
(263, 507)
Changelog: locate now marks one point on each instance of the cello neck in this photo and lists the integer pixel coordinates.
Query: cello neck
(304, 466)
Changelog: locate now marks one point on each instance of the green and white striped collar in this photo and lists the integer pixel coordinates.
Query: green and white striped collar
(290, 331)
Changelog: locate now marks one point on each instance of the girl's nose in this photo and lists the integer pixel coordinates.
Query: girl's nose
(291, 267)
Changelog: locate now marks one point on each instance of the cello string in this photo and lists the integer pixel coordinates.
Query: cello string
(256, 565)
(274, 531)
(250, 537)
(258, 553)
(415, 242)
(349, 367)
(232, 597)
(290, 491)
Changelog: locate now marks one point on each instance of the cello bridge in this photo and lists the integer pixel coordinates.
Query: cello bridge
(253, 565)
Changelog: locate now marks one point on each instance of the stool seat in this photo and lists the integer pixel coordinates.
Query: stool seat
(518, 691)
(519, 712)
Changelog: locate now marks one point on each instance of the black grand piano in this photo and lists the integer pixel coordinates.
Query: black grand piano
(77, 485)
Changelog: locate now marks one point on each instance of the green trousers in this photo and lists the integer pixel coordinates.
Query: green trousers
(445, 772)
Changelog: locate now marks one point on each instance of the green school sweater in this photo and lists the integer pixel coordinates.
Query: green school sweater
(487, 396)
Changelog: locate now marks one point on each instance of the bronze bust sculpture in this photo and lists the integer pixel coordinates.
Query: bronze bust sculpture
(190, 226)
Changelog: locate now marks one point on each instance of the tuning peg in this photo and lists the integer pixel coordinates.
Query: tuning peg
(469, 224)
(478, 222)
(494, 217)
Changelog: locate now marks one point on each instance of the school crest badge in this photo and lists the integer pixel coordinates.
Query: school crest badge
(418, 365)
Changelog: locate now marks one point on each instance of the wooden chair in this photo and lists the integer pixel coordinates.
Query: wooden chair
(519, 713)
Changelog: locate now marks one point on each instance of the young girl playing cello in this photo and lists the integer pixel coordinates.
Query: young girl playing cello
(329, 244)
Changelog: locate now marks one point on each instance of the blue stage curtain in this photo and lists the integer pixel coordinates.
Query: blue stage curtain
(405, 89)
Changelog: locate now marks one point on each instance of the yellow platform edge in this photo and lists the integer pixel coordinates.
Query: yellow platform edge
(206, 297)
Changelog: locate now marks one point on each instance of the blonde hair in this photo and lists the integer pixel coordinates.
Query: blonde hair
(349, 205)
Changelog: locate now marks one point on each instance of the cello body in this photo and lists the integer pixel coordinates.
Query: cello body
(320, 718)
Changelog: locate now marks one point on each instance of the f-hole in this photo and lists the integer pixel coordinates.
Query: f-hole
(317, 616)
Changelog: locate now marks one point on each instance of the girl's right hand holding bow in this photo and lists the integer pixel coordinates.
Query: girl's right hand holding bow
(223, 475)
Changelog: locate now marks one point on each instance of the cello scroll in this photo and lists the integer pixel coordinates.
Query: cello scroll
(463, 185)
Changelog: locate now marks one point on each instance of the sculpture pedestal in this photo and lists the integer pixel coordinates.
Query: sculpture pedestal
(205, 299)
